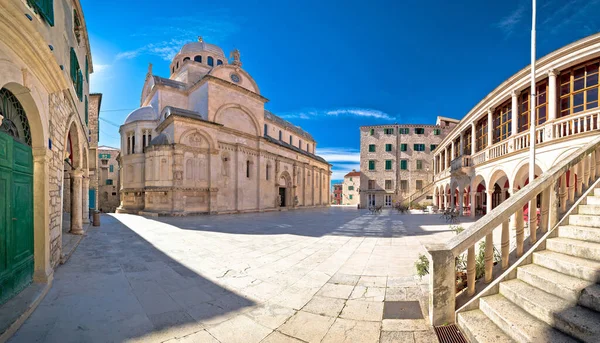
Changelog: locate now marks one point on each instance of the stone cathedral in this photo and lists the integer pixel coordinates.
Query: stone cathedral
(202, 142)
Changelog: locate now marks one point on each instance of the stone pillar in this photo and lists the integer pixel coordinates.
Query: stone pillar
(452, 152)
(461, 198)
(473, 138)
(41, 207)
(488, 204)
(515, 114)
(571, 185)
(490, 128)
(452, 198)
(442, 285)
(473, 205)
(552, 95)
(462, 144)
(76, 202)
(85, 192)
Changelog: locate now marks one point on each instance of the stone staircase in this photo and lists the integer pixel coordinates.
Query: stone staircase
(556, 298)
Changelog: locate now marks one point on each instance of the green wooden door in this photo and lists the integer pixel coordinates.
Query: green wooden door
(16, 216)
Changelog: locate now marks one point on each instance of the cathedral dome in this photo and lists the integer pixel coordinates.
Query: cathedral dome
(142, 113)
(201, 46)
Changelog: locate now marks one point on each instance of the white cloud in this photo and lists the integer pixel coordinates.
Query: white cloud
(339, 154)
(509, 23)
(353, 112)
(339, 171)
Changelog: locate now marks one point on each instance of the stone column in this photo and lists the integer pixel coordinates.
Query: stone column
(41, 207)
(76, 202)
(489, 243)
(552, 95)
(452, 152)
(488, 204)
(473, 139)
(452, 198)
(515, 114)
(461, 198)
(490, 128)
(85, 192)
(473, 205)
(442, 285)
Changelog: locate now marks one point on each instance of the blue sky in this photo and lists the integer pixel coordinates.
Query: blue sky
(332, 66)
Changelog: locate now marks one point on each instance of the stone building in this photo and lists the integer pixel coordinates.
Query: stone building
(202, 142)
(108, 179)
(396, 161)
(337, 194)
(94, 125)
(351, 188)
(45, 62)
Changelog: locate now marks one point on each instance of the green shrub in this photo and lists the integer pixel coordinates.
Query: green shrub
(422, 265)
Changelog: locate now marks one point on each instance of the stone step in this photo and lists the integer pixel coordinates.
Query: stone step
(584, 220)
(593, 200)
(589, 209)
(564, 286)
(590, 297)
(576, 321)
(597, 191)
(518, 324)
(479, 328)
(574, 266)
(574, 247)
(584, 233)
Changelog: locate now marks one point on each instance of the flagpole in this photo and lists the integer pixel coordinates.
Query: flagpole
(532, 116)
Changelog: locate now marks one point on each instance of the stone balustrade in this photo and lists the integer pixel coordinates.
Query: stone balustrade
(552, 185)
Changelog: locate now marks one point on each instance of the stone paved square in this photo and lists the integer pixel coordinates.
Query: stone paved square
(310, 275)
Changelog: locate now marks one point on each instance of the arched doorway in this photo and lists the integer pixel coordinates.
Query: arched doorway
(16, 197)
(284, 190)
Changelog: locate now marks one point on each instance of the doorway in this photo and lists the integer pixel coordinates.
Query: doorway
(282, 197)
(16, 198)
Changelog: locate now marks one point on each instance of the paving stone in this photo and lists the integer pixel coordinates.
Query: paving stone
(307, 326)
(395, 294)
(270, 315)
(401, 281)
(372, 281)
(229, 331)
(404, 325)
(336, 291)
(277, 337)
(166, 320)
(197, 337)
(402, 310)
(190, 296)
(325, 306)
(344, 279)
(350, 331)
(368, 293)
(363, 310)
(425, 336)
(398, 337)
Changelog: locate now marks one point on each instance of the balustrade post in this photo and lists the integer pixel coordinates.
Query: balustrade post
(579, 179)
(553, 204)
(586, 170)
(571, 186)
(597, 157)
(532, 216)
(442, 285)
(519, 231)
(593, 166)
(505, 244)
(471, 271)
(489, 257)
(562, 194)
(544, 208)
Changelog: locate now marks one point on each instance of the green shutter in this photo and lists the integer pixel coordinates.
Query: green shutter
(388, 147)
(388, 165)
(350, 196)
(74, 66)
(87, 69)
(432, 147)
(371, 165)
(372, 132)
(45, 8)
(403, 164)
(111, 168)
(109, 182)
(86, 110)
(403, 147)
(371, 147)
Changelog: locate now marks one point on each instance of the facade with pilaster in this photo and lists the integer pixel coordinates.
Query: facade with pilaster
(485, 159)
(44, 136)
(202, 142)
(395, 161)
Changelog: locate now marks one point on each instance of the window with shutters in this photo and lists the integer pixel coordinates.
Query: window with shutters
(388, 184)
(388, 164)
(403, 185)
(388, 147)
(403, 147)
(371, 165)
(111, 168)
(350, 188)
(419, 147)
(45, 8)
(432, 147)
(419, 131)
(419, 164)
(371, 147)
(109, 182)
(419, 185)
(371, 184)
(388, 131)
(404, 164)
(437, 132)
(372, 132)
(87, 110)
(403, 131)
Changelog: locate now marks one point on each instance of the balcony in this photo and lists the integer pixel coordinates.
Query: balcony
(461, 165)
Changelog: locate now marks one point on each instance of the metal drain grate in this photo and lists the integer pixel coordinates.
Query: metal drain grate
(449, 334)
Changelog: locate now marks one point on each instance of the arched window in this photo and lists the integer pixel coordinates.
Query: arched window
(198, 59)
(248, 163)
(15, 120)
(219, 62)
(177, 65)
(291, 139)
(266, 130)
(186, 59)
(210, 61)
(280, 135)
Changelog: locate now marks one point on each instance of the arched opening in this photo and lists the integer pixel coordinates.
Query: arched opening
(198, 59)
(284, 187)
(219, 62)
(186, 59)
(210, 61)
(16, 197)
(72, 220)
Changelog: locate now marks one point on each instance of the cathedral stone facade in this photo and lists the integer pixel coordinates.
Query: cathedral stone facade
(202, 142)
